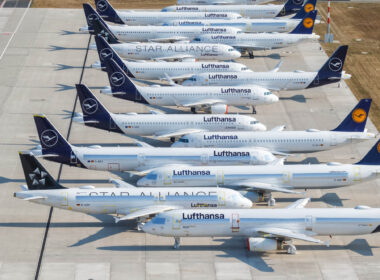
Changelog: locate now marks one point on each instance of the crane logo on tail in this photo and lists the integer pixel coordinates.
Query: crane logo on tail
(106, 53)
(359, 115)
(378, 148)
(335, 64)
(92, 17)
(308, 22)
(90, 106)
(308, 7)
(102, 6)
(117, 79)
(49, 138)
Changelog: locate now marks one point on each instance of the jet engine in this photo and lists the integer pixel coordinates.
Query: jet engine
(218, 109)
(253, 196)
(260, 244)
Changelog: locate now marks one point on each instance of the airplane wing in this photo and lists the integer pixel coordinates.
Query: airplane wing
(278, 128)
(277, 67)
(181, 78)
(174, 57)
(145, 212)
(34, 198)
(120, 184)
(204, 102)
(142, 144)
(300, 203)
(266, 187)
(287, 234)
(170, 39)
(181, 132)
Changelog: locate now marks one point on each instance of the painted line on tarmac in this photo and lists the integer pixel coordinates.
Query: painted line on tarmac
(60, 168)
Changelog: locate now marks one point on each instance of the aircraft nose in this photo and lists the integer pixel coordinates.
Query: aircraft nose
(260, 127)
(273, 98)
(236, 54)
(247, 203)
(147, 227)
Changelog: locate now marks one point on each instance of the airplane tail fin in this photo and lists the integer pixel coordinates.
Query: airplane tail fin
(307, 8)
(36, 176)
(372, 157)
(106, 52)
(306, 25)
(106, 10)
(290, 7)
(91, 17)
(121, 85)
(102, 29)
(357, 118)
(94, 113)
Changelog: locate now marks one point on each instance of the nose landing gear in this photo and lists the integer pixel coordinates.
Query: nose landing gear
(177, 242)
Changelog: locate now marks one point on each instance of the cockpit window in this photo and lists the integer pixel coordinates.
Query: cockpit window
(183, 140)
(231, 49)
(158, 221)
(267, 93)
(192, 79)
(254, 122)
(197, 39)
(151, 176)
(244, 68)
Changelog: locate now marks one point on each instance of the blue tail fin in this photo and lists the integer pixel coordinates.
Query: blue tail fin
(290, 7)
(36, 176)
(331, 71)
(101, 29)
(357, 118)
(105, 9)
(54, 145)
(372, 157)
(106, 52)
(121, 85)
(307, 8)
(94, 113)
(306, 25)
(91, 15)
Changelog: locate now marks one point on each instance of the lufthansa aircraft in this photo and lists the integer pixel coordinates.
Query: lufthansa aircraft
(141, 159)
(123, 200)
(262, 180)
(350, 130)
(210, 99)
(157, 124)
(250, 11)
(163, 34)
(253, 25)
(108, 13)
(162, 70)
(267, 229)
(220, 2)
(265, 41)
(330, 72)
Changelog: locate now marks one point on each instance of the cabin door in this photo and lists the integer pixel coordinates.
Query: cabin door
(235, 227)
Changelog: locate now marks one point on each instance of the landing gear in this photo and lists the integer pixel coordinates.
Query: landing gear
(177, 242)
(193, 110)
(253, 110)
(292, 250)
(172, 139)
(140, 223)
(251, 56)
(271, 200)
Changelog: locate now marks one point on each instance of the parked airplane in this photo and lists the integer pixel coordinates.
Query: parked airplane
(220, 2)
(108, 13)
(163, 34)
(350, 130)
(124, 199)
(262, 41)
(160, 70)
(142, 159)
(252, 25)
(250, 11)
(330, 72)
(262, 180)
(267, 229)
(157, 124)
(209, 99)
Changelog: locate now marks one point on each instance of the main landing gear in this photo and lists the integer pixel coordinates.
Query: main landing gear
(292, 250)
(172, 139)
(193, 110)
(140, 223)
(251, 56)
(271, 200)
(177, 242)
(253, 110)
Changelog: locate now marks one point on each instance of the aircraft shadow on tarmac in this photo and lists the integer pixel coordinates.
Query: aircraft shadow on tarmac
(53, 48)
(68, 32)
(300, 98)
(62, 87)
(66, 67)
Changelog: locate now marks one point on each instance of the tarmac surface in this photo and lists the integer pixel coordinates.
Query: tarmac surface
(38, 72)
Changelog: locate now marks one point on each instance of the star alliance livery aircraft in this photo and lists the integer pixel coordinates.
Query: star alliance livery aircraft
(351, 130)
(263, 41)
(108, 13)
(221, 2)
(125, 200)
(210, 99)
(250, 11)
(267, 229)
(253, 25)
(163, 34)
(330, 72)
(157, 124)
(141, 159)
(264, 179)
(161, 70)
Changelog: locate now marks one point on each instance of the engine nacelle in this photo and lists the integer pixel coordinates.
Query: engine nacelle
(253, 196)
(260, 244)
(219, 109)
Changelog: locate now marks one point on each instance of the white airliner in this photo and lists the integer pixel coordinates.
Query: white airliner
(267, 229)
(108, 13)
(330, 72)
(142, 159)
(263, 41)
(262, 180)
(351, 130)
(209, 99)
(162, 70)
(220, 2)
(162, 34)
(253, 25)
(157, 124)
(250, 11)
(124, 199)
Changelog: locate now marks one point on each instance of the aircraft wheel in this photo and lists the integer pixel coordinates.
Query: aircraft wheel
(292, 250)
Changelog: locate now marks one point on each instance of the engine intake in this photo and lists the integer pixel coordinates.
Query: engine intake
(218, 109)
(260, 244)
